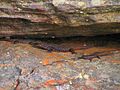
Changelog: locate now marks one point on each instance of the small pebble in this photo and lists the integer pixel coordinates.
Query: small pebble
(86, 76)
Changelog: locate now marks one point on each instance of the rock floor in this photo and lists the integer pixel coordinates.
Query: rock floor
(23, 67)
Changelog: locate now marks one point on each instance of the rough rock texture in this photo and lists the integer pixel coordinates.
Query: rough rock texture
(23, 67)
(59, 18)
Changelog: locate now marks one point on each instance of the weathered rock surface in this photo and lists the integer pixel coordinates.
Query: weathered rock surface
(59, 18)
(23, 67)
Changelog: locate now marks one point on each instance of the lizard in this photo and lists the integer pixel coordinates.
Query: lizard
(91, 42)
(46, 46)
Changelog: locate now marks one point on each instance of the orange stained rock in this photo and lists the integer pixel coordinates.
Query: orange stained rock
(45, 62)
(95, 49)
(114, 61)
(99, 49)
(6, 65)
(52, 58)
(54, 82)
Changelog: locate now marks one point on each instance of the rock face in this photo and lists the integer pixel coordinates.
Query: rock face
(59, 18)
(23, 67)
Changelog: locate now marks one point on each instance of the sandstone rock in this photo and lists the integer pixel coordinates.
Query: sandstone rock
(63, 18)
